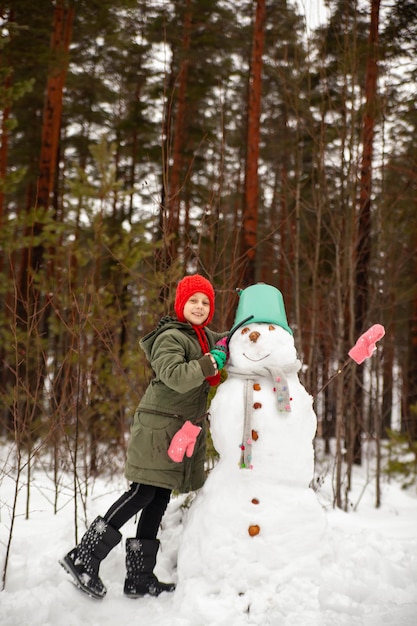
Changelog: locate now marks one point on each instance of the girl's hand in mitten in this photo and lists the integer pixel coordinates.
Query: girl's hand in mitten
(220, 353)
(183, 442)
(220, 357)
(223, 345)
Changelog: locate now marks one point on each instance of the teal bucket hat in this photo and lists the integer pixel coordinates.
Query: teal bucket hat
(260, 303)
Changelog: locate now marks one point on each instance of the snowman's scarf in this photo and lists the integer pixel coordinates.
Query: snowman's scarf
(277, 375)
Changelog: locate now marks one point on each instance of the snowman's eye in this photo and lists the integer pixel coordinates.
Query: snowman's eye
(271, 327)
(244, 330)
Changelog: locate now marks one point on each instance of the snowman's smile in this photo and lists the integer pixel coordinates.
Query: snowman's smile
(255, 360)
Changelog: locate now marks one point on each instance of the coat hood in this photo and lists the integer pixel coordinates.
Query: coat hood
(165, 323)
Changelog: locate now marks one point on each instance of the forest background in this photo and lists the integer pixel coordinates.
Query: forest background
(144, 140)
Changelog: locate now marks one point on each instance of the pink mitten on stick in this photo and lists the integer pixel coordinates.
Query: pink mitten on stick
(365, 345)
(183, 442)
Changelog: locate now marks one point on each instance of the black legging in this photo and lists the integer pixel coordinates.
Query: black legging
(152, 500)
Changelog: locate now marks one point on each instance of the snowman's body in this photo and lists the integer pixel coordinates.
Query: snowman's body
(258, 355)
(256, 522)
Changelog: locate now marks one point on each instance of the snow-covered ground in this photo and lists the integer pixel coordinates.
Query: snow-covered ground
(367, 574)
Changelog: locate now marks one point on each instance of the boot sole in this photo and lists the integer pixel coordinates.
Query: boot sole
(149, 592)
(76, 581)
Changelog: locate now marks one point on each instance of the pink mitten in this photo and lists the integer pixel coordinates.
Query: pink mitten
(365, 345)
(183, 442)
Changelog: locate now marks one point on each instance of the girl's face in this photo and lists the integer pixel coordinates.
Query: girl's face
(197, 308)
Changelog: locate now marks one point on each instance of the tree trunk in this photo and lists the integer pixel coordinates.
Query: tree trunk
(3, 154)
(387, 386)
(32, 308)
(5, 417)
(364, 210)
(409, 420)
(171, 206)
(250, 210)
(363, 246)
(61, 38)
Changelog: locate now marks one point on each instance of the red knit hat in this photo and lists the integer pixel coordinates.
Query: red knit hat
(187, 287)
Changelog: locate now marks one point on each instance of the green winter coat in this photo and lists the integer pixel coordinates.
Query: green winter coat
(177, 393)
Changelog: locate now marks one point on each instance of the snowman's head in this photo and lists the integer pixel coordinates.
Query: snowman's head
(258, 345)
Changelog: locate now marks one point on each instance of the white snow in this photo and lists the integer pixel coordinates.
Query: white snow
(367, 574)
(309, 564)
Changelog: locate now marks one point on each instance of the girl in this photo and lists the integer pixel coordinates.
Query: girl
(167, 446)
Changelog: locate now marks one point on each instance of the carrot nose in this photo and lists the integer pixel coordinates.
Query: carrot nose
(254, 336)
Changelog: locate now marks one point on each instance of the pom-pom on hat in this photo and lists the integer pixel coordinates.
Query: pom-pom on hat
(187, 287)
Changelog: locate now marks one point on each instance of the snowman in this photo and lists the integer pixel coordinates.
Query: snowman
(252, 535)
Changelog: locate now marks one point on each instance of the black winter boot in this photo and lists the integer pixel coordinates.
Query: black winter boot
(140, 563)
(83, 561)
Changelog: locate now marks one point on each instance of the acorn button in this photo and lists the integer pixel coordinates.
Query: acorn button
(254, 530)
